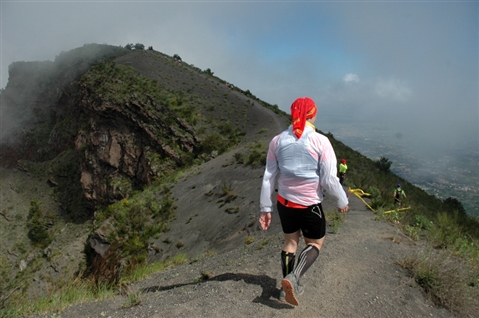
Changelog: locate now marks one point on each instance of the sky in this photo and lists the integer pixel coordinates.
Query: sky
(409, 67)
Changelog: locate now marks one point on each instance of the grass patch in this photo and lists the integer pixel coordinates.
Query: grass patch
(249, 240)
(133, 299)
(232, 210)
(85, 290)
(227, 192)
(449, 280)
(334, 220)
(448, 270)
(254, 156)
(76, 292)
(144, 271)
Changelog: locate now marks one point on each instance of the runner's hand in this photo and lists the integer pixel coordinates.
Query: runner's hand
(343, 210)
(265, 220)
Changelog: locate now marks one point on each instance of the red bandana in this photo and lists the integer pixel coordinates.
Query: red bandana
(303, 108)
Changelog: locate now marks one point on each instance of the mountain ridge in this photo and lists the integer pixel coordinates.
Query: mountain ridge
(97, 171)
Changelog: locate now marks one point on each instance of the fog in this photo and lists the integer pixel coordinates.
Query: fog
(408, 67)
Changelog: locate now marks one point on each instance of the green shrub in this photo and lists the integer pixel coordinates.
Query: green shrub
(454, 204)
(239, 157)
(135, 221)
(376, 198)
(65, 169)
(256, 158)
(37, 227)
(394, 217)
(212, 142)
(231, 133)
(255, 155)
(412, 232)
(139, 46)
(383, 164)
(374, 192)
(422, 222)
(445, 231)
(227, 191)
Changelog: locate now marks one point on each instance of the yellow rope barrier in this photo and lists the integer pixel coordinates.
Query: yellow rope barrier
(360, 193)
(401, 209)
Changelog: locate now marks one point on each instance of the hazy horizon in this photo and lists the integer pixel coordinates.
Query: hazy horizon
(445, 175)
(407, 70)
(411, 65)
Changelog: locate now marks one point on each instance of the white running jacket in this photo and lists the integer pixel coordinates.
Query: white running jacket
(305, 167)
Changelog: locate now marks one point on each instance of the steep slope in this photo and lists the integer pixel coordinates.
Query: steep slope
(206, 221)
(355, 276)
(92, 128)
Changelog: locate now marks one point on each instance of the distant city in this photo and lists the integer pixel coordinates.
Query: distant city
(446, 177)
(441, 175)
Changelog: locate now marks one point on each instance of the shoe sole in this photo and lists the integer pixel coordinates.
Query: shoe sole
(289, 290)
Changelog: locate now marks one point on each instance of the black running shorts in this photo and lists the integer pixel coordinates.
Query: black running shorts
(311, 220)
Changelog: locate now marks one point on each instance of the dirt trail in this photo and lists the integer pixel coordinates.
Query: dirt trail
(355, 276)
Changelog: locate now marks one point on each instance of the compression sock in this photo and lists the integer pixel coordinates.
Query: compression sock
(287, 262)
(305, 260)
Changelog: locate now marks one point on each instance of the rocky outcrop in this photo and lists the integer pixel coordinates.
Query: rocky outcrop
(126, 146)
(120, 145)
(89, 129)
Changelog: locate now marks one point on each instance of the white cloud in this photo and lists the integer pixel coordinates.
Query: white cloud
(374, 92)
(350, 77)
(392, 89)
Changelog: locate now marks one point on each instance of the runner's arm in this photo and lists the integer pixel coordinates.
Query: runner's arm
(328, 175)
(269, 178)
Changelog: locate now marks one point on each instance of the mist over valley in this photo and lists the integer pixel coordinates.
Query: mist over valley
(445, 172)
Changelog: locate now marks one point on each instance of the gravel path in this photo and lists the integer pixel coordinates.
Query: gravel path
(355, 276)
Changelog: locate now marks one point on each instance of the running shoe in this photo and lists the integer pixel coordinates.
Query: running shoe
(282, 294)
(291, 289)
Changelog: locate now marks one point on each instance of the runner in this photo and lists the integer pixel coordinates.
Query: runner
(304, 163)
(343, 167)
(399, 194)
